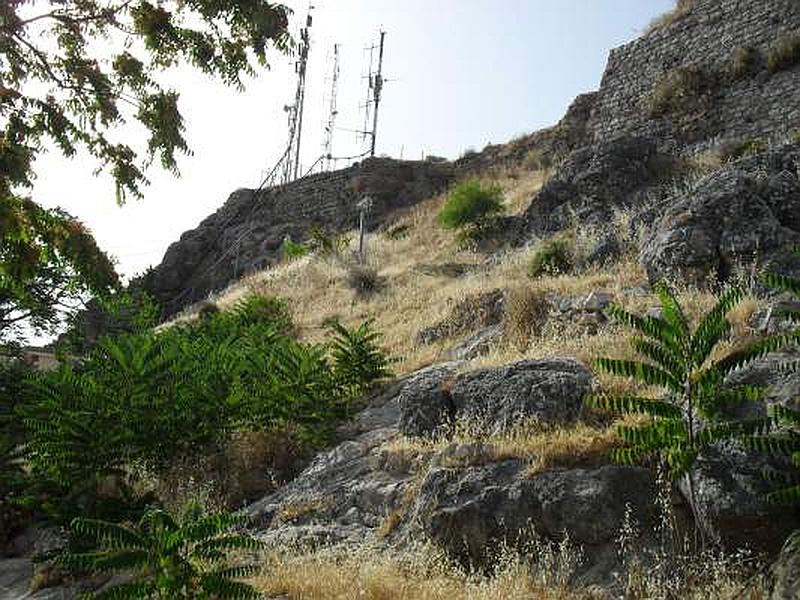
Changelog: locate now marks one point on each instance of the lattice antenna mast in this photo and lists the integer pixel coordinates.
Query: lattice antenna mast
(333, 111)
(367, 106)
(377, 87)
(295, 112)
(375, 83)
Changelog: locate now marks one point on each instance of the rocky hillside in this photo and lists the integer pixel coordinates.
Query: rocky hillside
(480, 470)
(714, 77)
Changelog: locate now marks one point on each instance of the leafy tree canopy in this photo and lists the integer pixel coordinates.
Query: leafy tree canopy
(72, 72)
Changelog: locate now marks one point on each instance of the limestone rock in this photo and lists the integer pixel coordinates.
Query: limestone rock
(743, 214)
(550, 391)
(477, 344)
(426, 408)
(729, 491)
(472, 512)
(786, 573)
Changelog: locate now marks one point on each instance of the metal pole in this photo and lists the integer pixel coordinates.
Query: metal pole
(301, 91)
(377, 86)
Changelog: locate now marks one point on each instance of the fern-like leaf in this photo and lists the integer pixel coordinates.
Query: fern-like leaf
(639, 371)
(635, 405)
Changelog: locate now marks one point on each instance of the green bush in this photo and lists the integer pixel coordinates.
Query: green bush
(784, 54)
(472, 208)
(149, 399)
(188, 557)
(358, 361)
(292, 250)
(328, 244)
(553, 258)
(679, 360)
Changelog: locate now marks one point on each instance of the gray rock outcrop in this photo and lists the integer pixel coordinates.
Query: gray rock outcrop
(494, 400)
(474, 513)
(730, 491)
(247, 232)
(745, 214)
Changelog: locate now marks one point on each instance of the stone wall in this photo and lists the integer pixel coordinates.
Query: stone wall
(246, 233)
(757, 104)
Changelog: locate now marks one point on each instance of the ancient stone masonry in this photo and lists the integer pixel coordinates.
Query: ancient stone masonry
(247, 232)
(707, 39)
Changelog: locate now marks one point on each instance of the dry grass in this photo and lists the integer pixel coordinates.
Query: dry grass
(543, 447)
(419, 574)
(249, 465)
(682, 9)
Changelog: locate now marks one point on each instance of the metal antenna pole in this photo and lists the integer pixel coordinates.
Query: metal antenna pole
(305, 46)
(332, 111)
(377, 86)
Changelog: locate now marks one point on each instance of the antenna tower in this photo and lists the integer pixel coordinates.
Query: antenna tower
(291, 165)
(375, 83)
(333, 112)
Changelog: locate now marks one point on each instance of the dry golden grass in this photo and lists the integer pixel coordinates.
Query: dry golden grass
(247, 466)
(682, 8)
(418, 575)
(543, 447)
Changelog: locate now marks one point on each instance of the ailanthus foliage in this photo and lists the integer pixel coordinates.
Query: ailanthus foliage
(72, 93)
(60, 89)
(357, 358)
(167, 557)
(148, 398)
(782, 442)
(679, 360)
(47, 260)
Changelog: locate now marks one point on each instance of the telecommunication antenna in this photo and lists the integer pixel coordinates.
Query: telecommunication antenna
(377, 87)
(375, 83)
(294, 112)
(333, 111)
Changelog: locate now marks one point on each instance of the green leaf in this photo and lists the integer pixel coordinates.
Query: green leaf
(641, 372)
(635, 405)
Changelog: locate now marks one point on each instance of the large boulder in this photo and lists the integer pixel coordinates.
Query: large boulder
(729, 490)
(473, 513)
(744, 215)
(549, 391)
(494, 400)
(426, 408)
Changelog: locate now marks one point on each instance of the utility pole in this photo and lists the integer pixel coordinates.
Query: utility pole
(377, 86)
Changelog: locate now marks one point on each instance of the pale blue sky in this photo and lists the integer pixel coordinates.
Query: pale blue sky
(463, 73)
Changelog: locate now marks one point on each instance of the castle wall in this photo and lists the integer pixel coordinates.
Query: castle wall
(755, 105)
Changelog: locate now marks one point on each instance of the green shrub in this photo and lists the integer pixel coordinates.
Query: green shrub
(679, 360)
(328, 244)
(188, 557)
(553, 257)
(472, 208)
(358, 361)
(292, 250)
(785, 53)
(149, 399)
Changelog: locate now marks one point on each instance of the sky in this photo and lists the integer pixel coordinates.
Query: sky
(460, 74)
